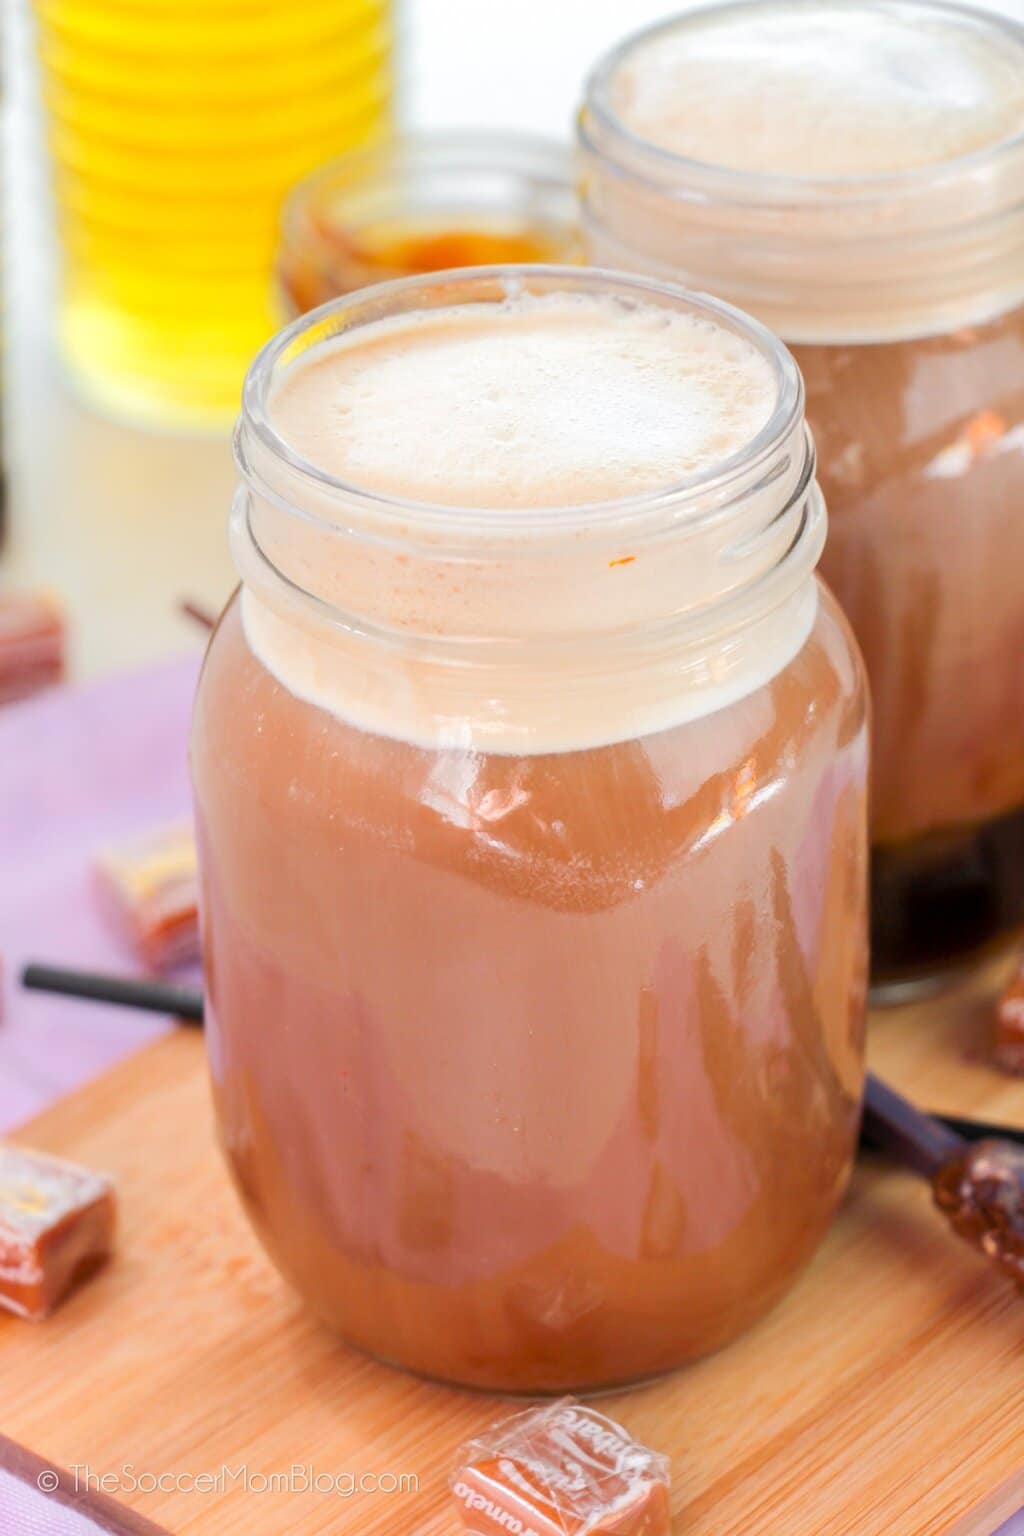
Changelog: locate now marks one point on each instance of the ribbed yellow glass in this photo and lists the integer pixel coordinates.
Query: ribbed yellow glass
(176, 127)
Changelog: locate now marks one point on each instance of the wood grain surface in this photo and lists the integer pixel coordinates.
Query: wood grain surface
(885, 1395)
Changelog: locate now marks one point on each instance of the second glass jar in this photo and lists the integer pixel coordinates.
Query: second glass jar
(901, 294)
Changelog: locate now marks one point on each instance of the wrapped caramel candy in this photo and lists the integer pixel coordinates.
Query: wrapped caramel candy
(56, 1227)
(152, 889)
(561, 1470)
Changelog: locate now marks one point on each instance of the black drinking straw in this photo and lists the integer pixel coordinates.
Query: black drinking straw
(131, 992)
(919, 1141)
(891, 1123)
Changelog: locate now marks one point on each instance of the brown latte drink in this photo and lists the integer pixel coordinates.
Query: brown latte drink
(530, 774)
(854, 175)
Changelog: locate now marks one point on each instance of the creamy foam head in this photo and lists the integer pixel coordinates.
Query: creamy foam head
(821, 91)
(554, 401)
(532, 589)
(846, 170)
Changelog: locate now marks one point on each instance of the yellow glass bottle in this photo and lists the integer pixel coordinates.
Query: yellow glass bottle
(176, 127)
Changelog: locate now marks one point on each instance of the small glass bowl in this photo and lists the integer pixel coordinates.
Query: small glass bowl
(424, 204)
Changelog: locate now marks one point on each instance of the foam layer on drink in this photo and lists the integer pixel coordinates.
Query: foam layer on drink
(519, 435)
(543, 402)
(826, 91)
(847, 173)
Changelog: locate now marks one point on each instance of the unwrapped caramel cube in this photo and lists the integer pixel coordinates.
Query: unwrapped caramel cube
(561, 1470)
(152, 889)
(56, 1227)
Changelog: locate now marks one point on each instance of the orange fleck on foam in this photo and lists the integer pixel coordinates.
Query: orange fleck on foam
(623, 560)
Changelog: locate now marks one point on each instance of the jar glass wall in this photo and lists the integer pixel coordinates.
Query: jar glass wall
(535, 931)
(900, 289)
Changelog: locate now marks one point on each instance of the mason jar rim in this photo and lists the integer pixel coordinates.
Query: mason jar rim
(765, 188)
(451, 152)
(508, 282)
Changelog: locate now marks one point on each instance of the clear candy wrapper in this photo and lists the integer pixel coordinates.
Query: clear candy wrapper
(56, 1226)
(152, 888)
(561, 1470)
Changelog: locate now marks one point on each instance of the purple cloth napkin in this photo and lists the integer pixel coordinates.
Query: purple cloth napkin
(80, 769)
(37, 1499)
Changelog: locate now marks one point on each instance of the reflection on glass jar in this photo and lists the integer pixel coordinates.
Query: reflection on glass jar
(852, 176)
(533, 831)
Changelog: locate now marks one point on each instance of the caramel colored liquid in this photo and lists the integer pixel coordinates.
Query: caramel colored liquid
(921, 458)
(175, 131)
(540, 1071)
(332, 260)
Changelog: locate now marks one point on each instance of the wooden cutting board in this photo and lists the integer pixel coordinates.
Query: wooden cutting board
(885, 1395)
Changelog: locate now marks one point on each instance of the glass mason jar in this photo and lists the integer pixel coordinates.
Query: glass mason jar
(425, 203)
(902, 297)
(533, 855)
